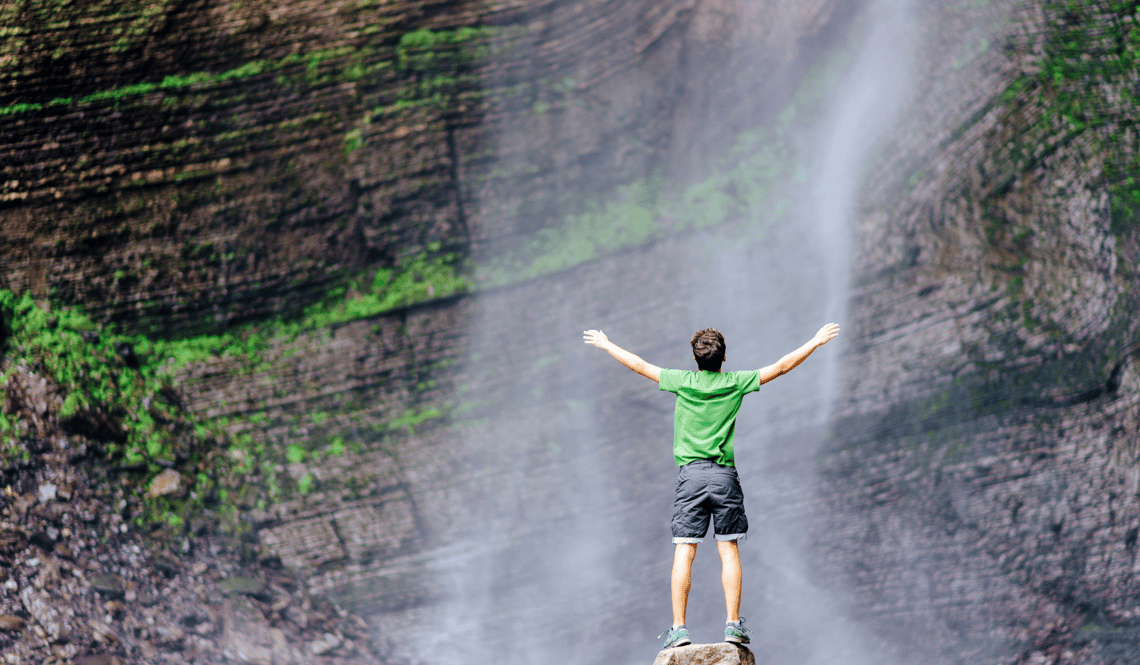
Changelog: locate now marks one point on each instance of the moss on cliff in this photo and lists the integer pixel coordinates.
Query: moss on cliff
(1086, 78)
(113, 391)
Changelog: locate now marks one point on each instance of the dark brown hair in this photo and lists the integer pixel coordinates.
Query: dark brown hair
(708, 349)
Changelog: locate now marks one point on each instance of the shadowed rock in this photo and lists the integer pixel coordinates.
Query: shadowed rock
(706, 654)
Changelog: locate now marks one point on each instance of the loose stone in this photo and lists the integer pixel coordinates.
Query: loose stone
(47, 492)
(108, 584)
(325, 644)
(103, 634)
(11, 622)
(169, 482)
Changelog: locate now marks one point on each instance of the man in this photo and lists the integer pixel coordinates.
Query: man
(704, 424)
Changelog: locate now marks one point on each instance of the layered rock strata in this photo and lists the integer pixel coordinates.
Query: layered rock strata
(983, 484)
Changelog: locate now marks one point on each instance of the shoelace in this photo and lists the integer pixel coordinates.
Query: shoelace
(741, 626)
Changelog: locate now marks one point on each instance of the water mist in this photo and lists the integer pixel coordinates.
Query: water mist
(560, 550)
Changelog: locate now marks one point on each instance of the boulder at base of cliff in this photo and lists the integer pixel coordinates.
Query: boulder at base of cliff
(706, 654)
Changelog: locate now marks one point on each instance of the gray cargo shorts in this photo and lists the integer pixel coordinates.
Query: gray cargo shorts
(706, 490)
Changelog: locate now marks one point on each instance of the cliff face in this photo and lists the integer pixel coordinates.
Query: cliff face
(991, 405)
(176, 168)
(179, 169)
(184, 170)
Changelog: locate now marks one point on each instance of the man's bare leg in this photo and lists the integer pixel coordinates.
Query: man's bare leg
(730, 577)
(682, 579)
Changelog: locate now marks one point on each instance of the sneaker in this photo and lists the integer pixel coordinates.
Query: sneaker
(736, 632)
(675, 637)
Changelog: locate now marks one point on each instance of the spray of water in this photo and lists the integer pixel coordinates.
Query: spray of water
(558, 549)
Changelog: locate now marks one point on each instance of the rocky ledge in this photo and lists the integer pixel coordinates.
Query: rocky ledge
(706, 654)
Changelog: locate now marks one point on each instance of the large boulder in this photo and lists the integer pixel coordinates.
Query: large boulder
(706, 654)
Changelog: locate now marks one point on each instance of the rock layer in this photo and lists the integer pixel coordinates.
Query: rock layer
(216, 164)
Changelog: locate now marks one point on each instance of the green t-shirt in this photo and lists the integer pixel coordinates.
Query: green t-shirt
(704, 420)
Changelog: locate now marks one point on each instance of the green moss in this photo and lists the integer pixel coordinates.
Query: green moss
(1124, 204)
(118, 391)
(19, 108)
(1087, 70)
(119, 93)
(295, 453)
(413, 418)
(353, 141)
(638, 213)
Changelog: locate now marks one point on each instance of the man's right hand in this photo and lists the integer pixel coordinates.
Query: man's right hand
(826, 334)
(596, 337)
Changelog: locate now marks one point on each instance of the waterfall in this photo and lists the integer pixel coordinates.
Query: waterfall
(558, 548)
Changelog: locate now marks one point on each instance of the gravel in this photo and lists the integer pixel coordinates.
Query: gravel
(81, 583)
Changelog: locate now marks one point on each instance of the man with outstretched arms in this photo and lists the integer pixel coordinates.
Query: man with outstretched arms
(704, 423)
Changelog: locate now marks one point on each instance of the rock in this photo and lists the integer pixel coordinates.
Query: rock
(96, 659)
(108, 584)
(166, 563)
(297, 616)
(282, 654)
(22, 503)
(148, 651)
(243, 649)
(65, 652)
(63, 551)
(11, 540)
(328, 642)
(49, 574)
(46, 614)
(246, 636)
(168, 635)
(47, 492)
(103, 634)
(50, 511)
(706, 654)
(167, 483)
(11, 622)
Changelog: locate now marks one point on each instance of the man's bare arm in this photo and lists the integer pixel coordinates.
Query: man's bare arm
(789, 362)
(599, 339)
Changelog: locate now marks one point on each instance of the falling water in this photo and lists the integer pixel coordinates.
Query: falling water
(559, 548)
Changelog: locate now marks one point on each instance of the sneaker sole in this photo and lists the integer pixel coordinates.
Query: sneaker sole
(680, 643)
(737, 640)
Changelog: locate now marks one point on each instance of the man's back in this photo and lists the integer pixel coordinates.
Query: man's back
(704, 418)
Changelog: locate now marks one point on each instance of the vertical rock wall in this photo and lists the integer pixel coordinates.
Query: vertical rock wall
(179, 167)
(983, 485)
